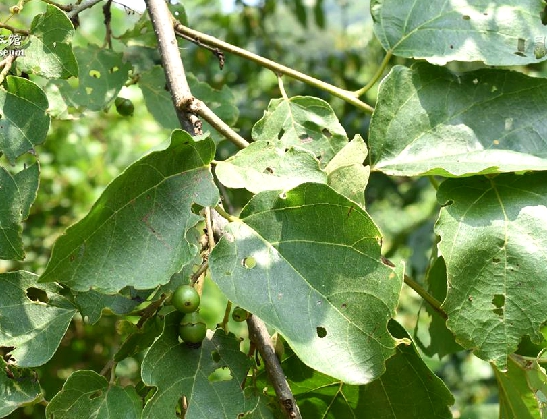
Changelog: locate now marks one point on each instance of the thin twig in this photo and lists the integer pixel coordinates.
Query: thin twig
(259, 335)
(81, 7)
(215, 51)
(376, 76)
(209, 225)
(221, 211)
(202, 268)
(201, 109)
(64, 7)
(14, 30)
(422, 292)
(107, 12)
(201, 38)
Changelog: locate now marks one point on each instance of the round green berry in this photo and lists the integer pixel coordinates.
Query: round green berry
(185, 299)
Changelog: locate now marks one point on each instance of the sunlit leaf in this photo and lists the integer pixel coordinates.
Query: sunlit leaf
(497, 33)
(18, 387)
(486, 121)
(318, 278)
(493, 234)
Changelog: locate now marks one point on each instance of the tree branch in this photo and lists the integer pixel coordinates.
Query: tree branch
(172, 64)
(261, 338)
(81, 7)
(202, 39)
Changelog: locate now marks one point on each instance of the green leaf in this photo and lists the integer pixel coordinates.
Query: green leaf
(102, 74)
(49, 51)
(302, 121)
(346, 172)
(17, 193)
(33, 327)
(140, 339)
(24, 121)
(87, 394)
(517, 394)
(266, 165)
(177, 370)
(481, 30)
(135, 234)
(407, 377)
(473, 127)
(317, 278)
(492, 239)
(17, 387)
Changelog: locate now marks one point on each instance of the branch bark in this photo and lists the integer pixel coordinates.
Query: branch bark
(261, 338)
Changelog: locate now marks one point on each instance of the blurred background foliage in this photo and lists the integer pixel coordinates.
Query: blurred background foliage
(329, 39)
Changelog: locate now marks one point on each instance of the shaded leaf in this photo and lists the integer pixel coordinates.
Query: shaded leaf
(17, 193)
(49, 51)
(266, 165)
(24, 121)
(87, 394)
(493, 242)
(486, 121)
(33, 327)
(406, 378)
(135, 233)
(481, 30)
(176, 370)
(140, 339)
(302, 121)
(346, 171)
(18, 387)
(317, 278)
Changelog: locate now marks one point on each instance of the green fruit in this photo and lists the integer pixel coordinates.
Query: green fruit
(192, 328)
(239, 314)
(185, 299)
(124, 106)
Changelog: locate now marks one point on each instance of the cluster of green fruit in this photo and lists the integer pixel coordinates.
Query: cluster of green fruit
(192, 328)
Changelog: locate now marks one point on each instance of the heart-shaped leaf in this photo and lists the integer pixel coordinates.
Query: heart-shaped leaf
(307, 261)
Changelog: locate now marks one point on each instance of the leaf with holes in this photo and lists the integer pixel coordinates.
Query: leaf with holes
(24, 121)
(34, 318)
(17, 193)
(497, 33)
(307, 261)
(87, 394)
(486, 121)
(102, 73)
(407, 377)
(346, 172)
(216, 368)
(49, 49)
(135, 234)
(265, 165)
(302, 121)
(493, 234)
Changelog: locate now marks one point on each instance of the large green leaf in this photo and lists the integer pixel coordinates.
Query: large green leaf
(177, 370)
(135, 234)
(265, 165)
(87, 394)
(493, 241)
(18, 386)
(24, 121)
(34, 317)
(49, 51)
(487, 121)
(307, 261)
(303, 121)
(17, 193)
(407, 377)
(499, 32)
